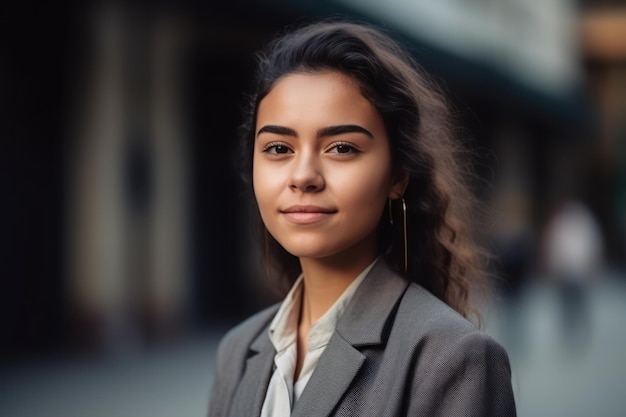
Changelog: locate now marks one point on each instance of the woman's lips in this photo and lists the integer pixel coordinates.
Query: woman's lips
(307, 214)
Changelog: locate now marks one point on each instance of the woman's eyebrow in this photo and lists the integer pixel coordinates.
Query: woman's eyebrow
(277, 130)
(323, 132)
(341, 129)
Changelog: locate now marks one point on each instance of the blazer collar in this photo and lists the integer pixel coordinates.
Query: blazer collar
(362, 324)
(250, 394)
(364, 321)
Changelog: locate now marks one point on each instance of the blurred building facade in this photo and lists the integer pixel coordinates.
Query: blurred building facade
(126, 219)
(603, 33)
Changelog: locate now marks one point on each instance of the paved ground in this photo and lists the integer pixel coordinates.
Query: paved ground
(572, 371)
(168, 382)
(556, 373)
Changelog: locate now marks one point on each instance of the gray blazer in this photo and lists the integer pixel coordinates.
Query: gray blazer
(397, 351)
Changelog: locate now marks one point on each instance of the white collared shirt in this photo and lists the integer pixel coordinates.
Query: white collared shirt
(282, 393)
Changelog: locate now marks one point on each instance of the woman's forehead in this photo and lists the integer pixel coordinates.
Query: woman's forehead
(327, 94)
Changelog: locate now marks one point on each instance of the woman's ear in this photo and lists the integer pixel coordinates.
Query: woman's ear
(398, 186)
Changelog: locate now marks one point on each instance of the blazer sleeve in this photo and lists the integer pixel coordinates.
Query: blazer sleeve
(470, 377)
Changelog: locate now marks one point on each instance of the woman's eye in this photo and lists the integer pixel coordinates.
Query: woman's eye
(276, 149)
(343, 148)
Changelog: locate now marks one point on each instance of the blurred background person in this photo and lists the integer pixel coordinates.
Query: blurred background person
(573, 254)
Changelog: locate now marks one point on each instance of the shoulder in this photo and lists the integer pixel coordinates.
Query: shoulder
(242, 335)
(423, 313)
(438, 331)
(451, 360)
(231, 355)
(233, 350)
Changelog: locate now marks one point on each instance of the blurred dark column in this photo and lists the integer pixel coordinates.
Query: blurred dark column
(38, 55)
(228, 283)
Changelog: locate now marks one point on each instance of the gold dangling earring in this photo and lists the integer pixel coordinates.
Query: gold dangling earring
(404, 231)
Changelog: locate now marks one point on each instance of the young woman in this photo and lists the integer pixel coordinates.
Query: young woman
(350, 153)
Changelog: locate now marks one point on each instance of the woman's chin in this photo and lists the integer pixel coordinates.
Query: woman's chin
(311, 253)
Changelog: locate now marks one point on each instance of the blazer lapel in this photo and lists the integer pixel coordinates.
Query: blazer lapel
(250, 394)
(336, 369)
(363, 324)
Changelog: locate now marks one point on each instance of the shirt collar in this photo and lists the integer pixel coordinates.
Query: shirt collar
(283, 330)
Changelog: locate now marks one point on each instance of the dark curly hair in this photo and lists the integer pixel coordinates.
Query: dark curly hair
(443, 256)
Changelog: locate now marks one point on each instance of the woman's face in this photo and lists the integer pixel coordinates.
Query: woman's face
(322, 167)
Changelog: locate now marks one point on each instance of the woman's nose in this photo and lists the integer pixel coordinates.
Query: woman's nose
(306, 175)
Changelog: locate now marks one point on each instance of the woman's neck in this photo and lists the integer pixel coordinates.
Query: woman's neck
(325, 280)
